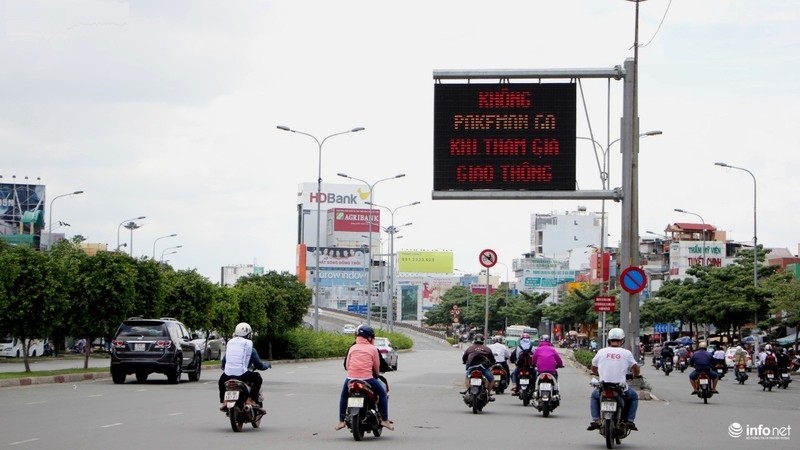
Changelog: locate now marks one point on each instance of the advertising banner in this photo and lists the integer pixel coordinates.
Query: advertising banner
(409, 300)
(425, 262)
(357, 220)
(21, 211)
(338, 258)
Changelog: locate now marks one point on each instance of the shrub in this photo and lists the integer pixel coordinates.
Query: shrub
(584, 357)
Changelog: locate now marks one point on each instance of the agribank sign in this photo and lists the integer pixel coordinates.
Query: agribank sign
(332, 195)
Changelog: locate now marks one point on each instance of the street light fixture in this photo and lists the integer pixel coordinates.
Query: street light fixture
(703, 260)
(319, 207)
(164, 252)
(132, 226)
(755, 232)
(371, 188)
(157, 239)
(392, 230)
(122, 223)
(50, 220)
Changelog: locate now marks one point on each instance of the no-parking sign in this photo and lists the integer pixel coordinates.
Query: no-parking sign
(633, 280)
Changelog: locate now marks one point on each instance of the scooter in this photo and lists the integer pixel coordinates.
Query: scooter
(741, 373)
(784, 378)
(500, 378)
(612, 408)
(682, 363)
(546, 397)
(768, 380)
(705, 391)
(477, 396)
(239, 413)
(363, 415)
(526, 382)
(667, 366)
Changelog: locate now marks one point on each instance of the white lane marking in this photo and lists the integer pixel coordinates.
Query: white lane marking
(24, 442)
(289, 394)
(141, 390)
(96, 395)
(36, 403)
(175, 414)
(111, 425)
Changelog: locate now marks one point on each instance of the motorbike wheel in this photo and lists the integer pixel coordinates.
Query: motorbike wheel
(377, 432)
(609, 433)
(355, 424)
(257, 422)
(769, 388)
(525, 400)
(546, 409)
(235, 414)
(475, 408)
(705, 400)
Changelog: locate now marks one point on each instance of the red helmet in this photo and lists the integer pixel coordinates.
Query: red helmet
(526, 336)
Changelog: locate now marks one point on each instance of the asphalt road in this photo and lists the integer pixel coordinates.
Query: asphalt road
(302, 398)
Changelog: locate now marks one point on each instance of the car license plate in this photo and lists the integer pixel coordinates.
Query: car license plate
(608, 406)
(355, 402)
(139, 347)
(231, 395)
(704, 381)
(524, 381)
(545, 386)
(475, 382)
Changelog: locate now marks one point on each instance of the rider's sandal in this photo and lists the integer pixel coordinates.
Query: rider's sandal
(339, 426)
(388, 424)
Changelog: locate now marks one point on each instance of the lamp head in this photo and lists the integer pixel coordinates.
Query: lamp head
(284, 128)
(721, 164)
(357, 129)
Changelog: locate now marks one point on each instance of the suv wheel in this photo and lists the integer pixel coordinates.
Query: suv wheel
(174, 376)
(198, 366)
(118, 376)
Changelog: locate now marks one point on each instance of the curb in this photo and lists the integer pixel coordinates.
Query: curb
(69, 378)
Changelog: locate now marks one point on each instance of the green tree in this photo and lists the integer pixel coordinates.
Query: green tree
(189, 297)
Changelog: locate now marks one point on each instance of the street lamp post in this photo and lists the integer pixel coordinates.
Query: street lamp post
(50, 220)
(132, 226)
(164, 252)
(371, 188)
(703, 260)
(157, 239)
(319, 207)
(392, 230)
(755, 232)
(123, 223)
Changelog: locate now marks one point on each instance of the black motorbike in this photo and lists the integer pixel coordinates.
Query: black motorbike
(477, 396)
(784, 377)
(500, 378)
(239, 413)
(769, 379)
(612, 412)
(666, 366)
(741, 373)
(527, 378)
(705, 391)
(363, 415)
(721, 369)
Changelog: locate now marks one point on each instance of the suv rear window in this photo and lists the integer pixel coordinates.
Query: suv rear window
(144, 330)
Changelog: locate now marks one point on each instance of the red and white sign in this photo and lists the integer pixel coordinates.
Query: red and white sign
(604, 304)
(351, 219)
(488, 258)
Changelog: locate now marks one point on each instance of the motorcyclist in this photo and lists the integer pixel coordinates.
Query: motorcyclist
(362, 363)
(239, 356)
(702, 361)
(479, 356)
(611, 364)
(656, 355)
(765, 359)
(739, 357)
(501, 352)
(546, 359)
(525, 345)
(719, 358)
(783, 360)
(667, 354)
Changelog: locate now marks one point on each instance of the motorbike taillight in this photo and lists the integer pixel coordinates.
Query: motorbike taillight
(609, 393)
(545, 377)
(356, 386)
(232, 384)
(523, 372)
(475, 374)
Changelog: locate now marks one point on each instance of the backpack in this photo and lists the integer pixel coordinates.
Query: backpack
(524, 358)
(770, 360)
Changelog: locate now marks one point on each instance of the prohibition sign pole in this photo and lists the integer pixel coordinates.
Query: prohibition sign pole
(487, 258)
(633, 280)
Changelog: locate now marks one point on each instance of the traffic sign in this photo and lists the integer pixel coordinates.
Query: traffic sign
(633, 280)
(604, 304)
(488, 258)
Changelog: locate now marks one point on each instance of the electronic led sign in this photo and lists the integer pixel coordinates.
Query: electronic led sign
(504, 137)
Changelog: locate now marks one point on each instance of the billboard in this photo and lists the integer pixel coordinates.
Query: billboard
(504, 136)
(355, 220)
(21, 212)
(425, 262)
(338, 258)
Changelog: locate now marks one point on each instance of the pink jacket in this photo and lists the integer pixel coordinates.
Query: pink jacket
(363, 360)
(546, 358)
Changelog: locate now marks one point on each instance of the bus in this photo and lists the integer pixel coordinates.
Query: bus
(11, 347)
(514, 333)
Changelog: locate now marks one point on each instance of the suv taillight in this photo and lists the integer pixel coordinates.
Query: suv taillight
(118, 344)
(162, 344)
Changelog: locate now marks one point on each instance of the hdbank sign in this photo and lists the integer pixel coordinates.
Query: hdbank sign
(332, 195)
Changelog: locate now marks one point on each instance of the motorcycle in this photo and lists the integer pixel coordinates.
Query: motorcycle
(477, 396)
(784, 377)
(612, 408)
(768, 380)
(500, 378)
(667, 366)
(682, 363)
(657, 363)
(239, 413)
(720, 368)
(741, 373)
(526, 385)
(362, 411)
(546, 397)
(705, 391)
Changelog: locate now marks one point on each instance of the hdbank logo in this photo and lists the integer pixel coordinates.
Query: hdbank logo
(759, 432)
(332, 198)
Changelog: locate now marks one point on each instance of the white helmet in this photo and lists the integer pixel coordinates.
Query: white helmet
(545, 338)
(243, 330)
(497, 338)
(768, 348)
(616, 334)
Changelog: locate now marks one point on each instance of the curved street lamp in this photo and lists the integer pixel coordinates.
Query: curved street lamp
(159, 238)
(392, 230)
(319, 206)
(164, 252)
(371, 188)
(703, 260)
(123, 223)
(50, 220)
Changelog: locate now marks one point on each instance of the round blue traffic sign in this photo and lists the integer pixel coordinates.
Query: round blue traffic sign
(633, 280)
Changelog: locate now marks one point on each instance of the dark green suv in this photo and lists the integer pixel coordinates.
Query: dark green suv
(145, 346)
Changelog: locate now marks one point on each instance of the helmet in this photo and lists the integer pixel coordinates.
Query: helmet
(768, 348)
(243, 330)
(478, 339)
(497, 338)
(526, 336)
(366, 332)
(545, 338)
(616, 334)
(702, 345)
(738, 348)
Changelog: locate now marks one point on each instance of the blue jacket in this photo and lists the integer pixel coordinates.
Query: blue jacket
(702, 360)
